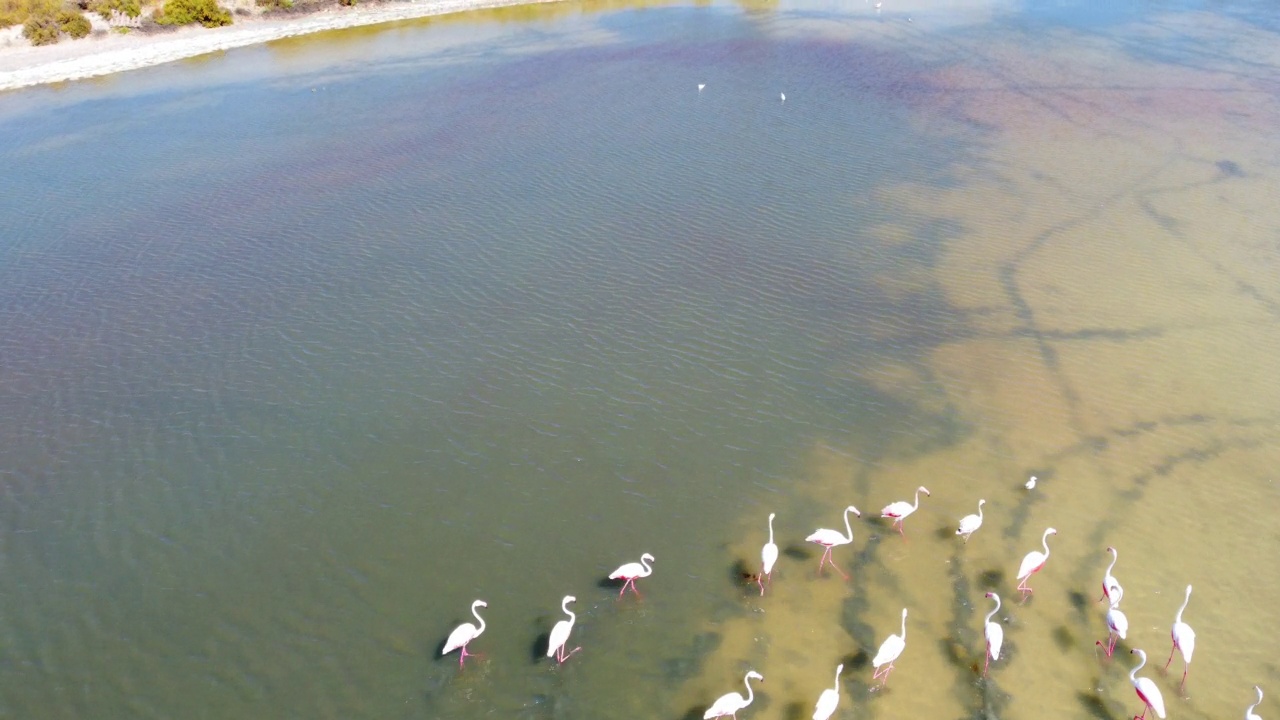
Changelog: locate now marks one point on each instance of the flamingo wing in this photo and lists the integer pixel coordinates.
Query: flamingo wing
(968, 524)
(889, 651)
(826, 704)
(1031, 563)
(898, 509)
(825, 537)
(1150, 695)
(1185, 638)
(629, 570)
(559, 636)
(1118, 623)
(769, 556)
(995, 638)
(728, 704)
(460, 636)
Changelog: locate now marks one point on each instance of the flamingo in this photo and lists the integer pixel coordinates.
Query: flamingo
(731, 703)
(1117, 628)
(560, 633)
(464, 633)
(768, 556)
(901, 509)
(830, 698)
(994, 633)
(1032, 563)
(1248, 714)
(1111, 589)
(831, 538)
(889, 651)
(1147, 691)
(969, 524)
(1184, 639)
(630, 572)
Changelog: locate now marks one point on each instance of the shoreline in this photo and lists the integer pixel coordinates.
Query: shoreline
(23, 65)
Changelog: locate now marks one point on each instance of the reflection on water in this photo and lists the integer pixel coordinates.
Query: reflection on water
(293, 371)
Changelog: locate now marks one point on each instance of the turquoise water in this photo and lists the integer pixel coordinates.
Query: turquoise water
(306, 346)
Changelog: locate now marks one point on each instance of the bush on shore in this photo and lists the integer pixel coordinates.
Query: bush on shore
(45, 23)
(184, 12)
(129, 8)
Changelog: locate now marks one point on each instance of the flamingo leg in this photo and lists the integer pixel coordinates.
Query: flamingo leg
(1171, 651)
(1024, 588)
(826, 555)
(986, 665)
(760, 582)
(462, 657)
(561, 655)
(1182, 688)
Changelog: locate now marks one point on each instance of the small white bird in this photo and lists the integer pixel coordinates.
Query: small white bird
(1117, 628)
(700, 86)
(784, 96)
(901, 509)
(768, 556)
(1184, 639)
(994, 633)
(731, 703)
(560, 633)
(1031, 484)
(829, 538)
(829, 699)
(889, 651)
(969, 524)
(1111, 589)
(630, 572)
(464, 633)
(1248, 714)
(1032, 563)
(1147, 691)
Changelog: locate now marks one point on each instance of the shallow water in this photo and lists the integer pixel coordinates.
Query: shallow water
(304, 347)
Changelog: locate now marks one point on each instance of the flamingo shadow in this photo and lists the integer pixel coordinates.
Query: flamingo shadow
(695, 713)
(798, 552)
(538, 648)
(1093, 704)
(741, 575)
(795, 711)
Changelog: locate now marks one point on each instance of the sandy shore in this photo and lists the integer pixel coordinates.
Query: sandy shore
(22, 65)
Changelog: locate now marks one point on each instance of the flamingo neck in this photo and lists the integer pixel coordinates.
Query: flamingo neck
(770, 529)
(572, 617)
(750, 693)
(904, 627)
(847, 527)
(476, 611)
(1185, 600)
(1044, 540)
(1142, 660)
(836, 687)
(647, 570)
(917, 504)
(1114, 557)
(979, 511)
(994, 610)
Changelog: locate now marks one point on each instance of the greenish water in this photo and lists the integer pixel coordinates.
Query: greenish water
(306, 346)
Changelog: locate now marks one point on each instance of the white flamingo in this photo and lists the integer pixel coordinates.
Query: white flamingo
(994, 633)
(901, 509)
(831, 538)
(1248, 714)
(731, 703)
(969, 524)
(464, 633)
(829, 699)
(560, 633)
(1184, 640)
(1147, 691)
(768, 556)
(1032, 563)
(1111, 590)
(1117, 629)
(631, 571)
(889, 651)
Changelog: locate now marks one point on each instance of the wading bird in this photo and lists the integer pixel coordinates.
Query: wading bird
(1147, 691)
(731, 703)
(1184, 640)
(831, 538)
(1117, 628)
(700, 86)
(901, 509)
(768, 556)
(1248, 714)
(829, 699)
(560, 633)
(464, 633)
(889, 651)
(1111, 590)
(1032, 563)
(630, 572)
(969, 524)
(994, 633)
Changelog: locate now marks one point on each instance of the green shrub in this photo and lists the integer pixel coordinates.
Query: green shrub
(73, 23)
(274, 4)
(17, 12)
(130, 8)
(41, 30)
(348, 3)
(185, 12)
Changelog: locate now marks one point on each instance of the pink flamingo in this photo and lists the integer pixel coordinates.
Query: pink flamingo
(1111, 589)
(831, 538)
(889, 651)
(1117, 628)
(901, 509)
(464, 633)
(1147, 691)
(630, 572)
(1184, 639)
(1032, 563)
(768, 556)
(560, 633)
(994, 633)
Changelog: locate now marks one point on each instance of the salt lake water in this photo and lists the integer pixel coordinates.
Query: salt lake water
(304, 347)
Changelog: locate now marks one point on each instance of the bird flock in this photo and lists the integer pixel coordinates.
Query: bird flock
(729, 704)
